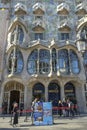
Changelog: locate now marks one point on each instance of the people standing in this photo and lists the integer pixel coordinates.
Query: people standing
(60, 108)
(15, 114)
(70, 108)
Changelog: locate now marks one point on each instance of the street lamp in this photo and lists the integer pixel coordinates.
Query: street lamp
(81, 46)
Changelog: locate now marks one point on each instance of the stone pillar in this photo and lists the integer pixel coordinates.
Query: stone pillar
(25, 97)
(46, 91)
(84, 99)
(29, 97)
(80, 96)
(62, 90)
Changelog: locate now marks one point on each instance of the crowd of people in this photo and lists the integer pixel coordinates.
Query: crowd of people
(64, 108)
(67, 108)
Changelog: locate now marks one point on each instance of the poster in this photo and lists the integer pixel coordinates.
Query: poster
(43, 113)
(38, 113)
(47, 113)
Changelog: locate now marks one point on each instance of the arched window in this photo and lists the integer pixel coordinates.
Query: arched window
(54, 93)
(17, 35)
(39, 91)
(69, 90)
(32, 62)
(44, 61)
(54, 60)
(17, 58)
(63, 61)
(74, 62)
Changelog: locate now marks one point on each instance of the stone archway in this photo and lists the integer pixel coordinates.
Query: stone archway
(39, 91)
(54, 93)
(13, 91)
(14, 97)
(69, 90)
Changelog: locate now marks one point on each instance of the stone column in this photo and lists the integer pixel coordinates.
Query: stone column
(29, 97)
(46, 91)
(80, 96)
(25, 96)
(62, 90)
(84, 99)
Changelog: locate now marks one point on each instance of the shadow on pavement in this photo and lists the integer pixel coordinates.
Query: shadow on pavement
(14, 128)
(43, 125)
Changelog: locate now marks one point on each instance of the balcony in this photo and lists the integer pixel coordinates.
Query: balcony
(39, 9)
(81, 9)
(38, 25)
(20, 9)
(63, 9)
(64, 25)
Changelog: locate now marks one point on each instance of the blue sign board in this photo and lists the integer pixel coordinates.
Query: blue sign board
(43, 113)
(47, 113)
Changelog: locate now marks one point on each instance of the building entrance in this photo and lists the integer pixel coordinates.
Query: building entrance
(54, 93)
(14, 97)
(38, 91)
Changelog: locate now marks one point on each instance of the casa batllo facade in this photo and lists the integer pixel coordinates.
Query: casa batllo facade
(38, 53)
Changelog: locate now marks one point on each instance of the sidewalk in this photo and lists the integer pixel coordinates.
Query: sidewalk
(79, 123)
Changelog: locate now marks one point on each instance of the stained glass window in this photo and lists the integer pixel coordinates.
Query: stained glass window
(63, 61)
(44, 61)
(18, 61)
(75, 68)
(32, 62)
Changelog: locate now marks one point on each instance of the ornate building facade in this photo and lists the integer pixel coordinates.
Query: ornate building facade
(38, 53)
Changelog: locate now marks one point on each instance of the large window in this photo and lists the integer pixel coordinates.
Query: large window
(63, 61)
(17, 58)
(39, 61)
(17, 35)
(74, 62)
(68, 62)
(44, 61)
(32, 62)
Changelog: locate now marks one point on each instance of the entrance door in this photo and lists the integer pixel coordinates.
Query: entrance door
(54, 93)
(38, 91)
(14, 97)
